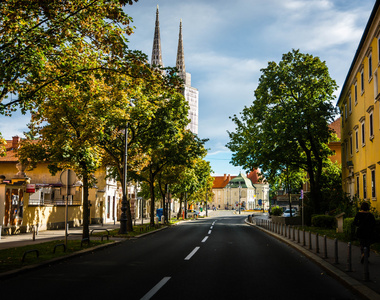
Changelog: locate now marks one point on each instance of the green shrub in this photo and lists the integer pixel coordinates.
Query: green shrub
(323, 221)
(349, 228)
(276, 211)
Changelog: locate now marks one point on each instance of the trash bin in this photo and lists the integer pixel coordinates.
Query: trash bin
(159, 213)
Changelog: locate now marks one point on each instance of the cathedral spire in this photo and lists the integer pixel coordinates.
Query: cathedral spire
(156, 52)
(180, 63)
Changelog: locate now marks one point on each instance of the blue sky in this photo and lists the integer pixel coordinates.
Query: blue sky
(226, 43)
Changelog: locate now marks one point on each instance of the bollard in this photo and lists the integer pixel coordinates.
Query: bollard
(325, 246)
(336, 251)
(294, 233)
(310, 245)
(34, 233)
(304, 242)
(298, 235)
(317, 243)
(366, 270)
(286, 231)
(349, 258)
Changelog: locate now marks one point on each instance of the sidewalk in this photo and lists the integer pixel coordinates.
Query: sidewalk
(23, 239)
(336, 265)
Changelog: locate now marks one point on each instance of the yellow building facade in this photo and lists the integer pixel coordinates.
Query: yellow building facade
(34, 199)
(360, 117)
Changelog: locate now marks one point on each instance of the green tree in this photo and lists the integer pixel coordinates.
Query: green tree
(150, 113)
(287, 124)
(37, 34)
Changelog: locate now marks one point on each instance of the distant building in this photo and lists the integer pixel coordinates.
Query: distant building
(248, 190)
(190, 93)
(359, 108)
(221, 200)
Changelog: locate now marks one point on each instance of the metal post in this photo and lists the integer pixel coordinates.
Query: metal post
(304, 242)
(294, 233)
(325, 246)
(366, 269)
(349, 258)
(317, 242)
(298, 235)
(310, 246)
(67, 205)
(336, 251)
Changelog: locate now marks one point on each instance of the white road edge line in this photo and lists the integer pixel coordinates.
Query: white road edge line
(155, 289)
(205, 239)
(192, 253)
(211, 227)
(209, 232)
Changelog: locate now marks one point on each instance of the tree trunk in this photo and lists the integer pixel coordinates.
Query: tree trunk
(129, 215)
(86, 209)
(180, 206)
(152, 199)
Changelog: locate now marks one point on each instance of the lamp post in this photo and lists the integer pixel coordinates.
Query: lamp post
(123, 217)
(239, 197)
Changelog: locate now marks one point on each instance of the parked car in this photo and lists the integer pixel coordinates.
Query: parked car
(287, 213)
(191, 213)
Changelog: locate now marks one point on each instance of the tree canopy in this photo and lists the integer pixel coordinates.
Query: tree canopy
(287, 124)
(37, 34)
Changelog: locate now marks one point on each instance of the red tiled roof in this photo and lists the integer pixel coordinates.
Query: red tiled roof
(11, 150)
(336, 127)
(221, 181)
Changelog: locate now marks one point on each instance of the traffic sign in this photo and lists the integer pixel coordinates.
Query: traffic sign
(68, 177)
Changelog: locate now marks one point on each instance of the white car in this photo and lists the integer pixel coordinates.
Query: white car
(191, 213)
(287, 213)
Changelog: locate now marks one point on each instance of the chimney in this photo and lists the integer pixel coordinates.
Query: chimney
(229, 177)
(225, 177)
(15, 140)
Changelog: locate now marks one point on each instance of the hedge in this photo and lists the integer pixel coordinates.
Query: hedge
(323, 221)
(349, 229)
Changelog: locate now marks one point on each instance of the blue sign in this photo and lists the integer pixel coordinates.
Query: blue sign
(260, 202)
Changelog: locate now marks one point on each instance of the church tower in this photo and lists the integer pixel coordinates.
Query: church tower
(156, 52)
(190, 93)
(180, 63)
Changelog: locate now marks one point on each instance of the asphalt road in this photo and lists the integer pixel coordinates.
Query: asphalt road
(214, 258)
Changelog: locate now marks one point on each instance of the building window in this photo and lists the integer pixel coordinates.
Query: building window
(362, 80)
(356, 93)
(371, 133)
(351, 146)
(356, 139)
(370, 67)
(364, 187)
(363, 134)
(349, 104)
(373, 183)
(345, 111)
(375, 86)
(357, 186)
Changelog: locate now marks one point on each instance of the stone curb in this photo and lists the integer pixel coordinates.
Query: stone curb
(351, 283)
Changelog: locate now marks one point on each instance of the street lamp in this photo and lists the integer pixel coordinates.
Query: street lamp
(239, 196)
(123, 217)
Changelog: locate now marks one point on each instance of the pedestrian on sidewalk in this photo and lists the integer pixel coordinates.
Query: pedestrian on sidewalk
(365, 223)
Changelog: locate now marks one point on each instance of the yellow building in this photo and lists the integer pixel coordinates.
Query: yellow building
(360, 113)
(34, 198)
